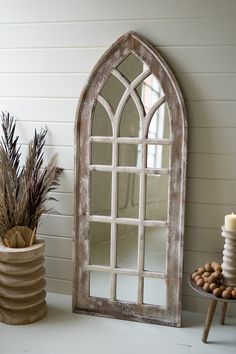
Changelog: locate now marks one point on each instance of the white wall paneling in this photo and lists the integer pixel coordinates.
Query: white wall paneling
(58, 247)
(59, 286)
(211, 166)
(218, 191)
(40, 109)
(201, 239)
(76, 11)
(184, 59)
(47, 49)
(182, 31)
(59, 268)
(56, 225)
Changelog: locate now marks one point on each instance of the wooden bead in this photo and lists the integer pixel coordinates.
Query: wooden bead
(208, 267)
(206, 287)
(217, 274)
(201, 270)
(194, 275)
(226, 294)
(217, 292)
(206, 274)
(229, 288)
(217, 266)
(211, 279)
(200, 282)
(213, 286)
(198, 277)
(222, 287)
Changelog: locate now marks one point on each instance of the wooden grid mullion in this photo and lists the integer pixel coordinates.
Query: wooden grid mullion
(128, 221)
(127, 271)
(128, 140)
(142, 198)
(113, 217)
(129, 169)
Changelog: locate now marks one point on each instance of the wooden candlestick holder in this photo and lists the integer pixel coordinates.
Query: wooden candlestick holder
(229, 258)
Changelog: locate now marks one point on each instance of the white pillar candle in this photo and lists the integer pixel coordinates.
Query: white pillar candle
(230, 222)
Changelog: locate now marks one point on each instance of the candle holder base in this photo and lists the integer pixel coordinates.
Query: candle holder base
(229, 258)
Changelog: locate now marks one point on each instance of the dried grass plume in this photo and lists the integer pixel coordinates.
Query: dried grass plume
(24, 190)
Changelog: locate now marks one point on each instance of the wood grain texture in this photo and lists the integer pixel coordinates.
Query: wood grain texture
(22, 284)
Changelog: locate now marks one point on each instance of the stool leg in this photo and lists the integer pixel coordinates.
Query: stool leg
(209, 317)
(223, 313)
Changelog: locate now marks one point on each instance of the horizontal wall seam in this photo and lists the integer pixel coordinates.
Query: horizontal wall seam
(106, 46)
(69, 239)
(114, 20)
(59, 279)
(59, 258)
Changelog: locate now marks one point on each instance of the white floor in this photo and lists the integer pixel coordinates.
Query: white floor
(63, 332)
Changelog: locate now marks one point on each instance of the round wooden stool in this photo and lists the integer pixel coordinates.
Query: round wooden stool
(211, 307)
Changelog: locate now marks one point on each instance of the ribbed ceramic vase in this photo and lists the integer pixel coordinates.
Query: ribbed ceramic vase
(22, 284)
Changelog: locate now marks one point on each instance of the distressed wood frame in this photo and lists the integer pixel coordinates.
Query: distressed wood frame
(82, 302)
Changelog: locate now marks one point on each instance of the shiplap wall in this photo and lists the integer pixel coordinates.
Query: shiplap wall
(47, 49)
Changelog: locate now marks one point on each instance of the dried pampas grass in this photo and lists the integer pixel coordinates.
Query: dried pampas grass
(24, 190)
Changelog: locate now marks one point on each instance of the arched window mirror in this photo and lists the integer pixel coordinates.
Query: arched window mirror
(130, 186)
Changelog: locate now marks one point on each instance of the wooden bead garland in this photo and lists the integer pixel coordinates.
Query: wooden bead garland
(209, 278)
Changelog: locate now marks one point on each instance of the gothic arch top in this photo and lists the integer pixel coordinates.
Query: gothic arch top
(91, 97)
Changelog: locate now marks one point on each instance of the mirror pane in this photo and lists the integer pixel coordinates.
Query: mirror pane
(127, 246)
(150, 91)
(158, 156)
(99, 284)
(100, 191)
(112, 91)
(131, 67)
(129, 155)
(128, 187)
(127, 286)
(101, 153)
(101, 124)
(100, 241)
(130, 121)
(159, 127)
(154, 291)
(156, 197)
(155, 248)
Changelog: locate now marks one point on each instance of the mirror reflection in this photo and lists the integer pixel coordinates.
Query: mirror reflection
(100, 190)
(127, 246)
(129, 155)
(158, 156)
(138, 194)
(130, 125)
(101, 124)
(101, 153)
(155, 248)
(128, 194)
(100, 243)
(113, 85)
(126, 287)
(154, 291)
(99, 284)
(131, 67)
(156, 197)
(159, 127)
